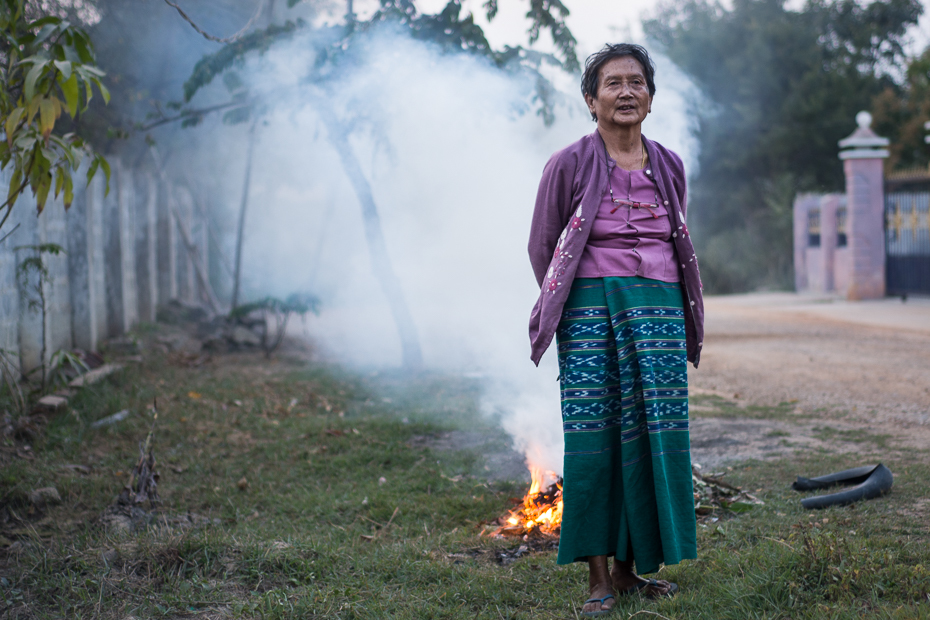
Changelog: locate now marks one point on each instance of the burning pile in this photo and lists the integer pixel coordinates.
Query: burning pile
(539, 513)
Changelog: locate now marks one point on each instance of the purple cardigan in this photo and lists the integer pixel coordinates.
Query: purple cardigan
(570, 192)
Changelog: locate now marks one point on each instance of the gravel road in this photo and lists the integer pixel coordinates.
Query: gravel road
(847, 366)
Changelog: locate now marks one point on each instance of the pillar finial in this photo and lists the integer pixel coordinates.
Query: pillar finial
(864, 143)
(864, 120)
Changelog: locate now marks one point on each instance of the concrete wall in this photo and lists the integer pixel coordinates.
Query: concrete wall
(9, 295)
(123, 257)
(857, 270)
(816, 268)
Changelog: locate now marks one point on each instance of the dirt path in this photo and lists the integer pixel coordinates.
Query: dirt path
(843, 372)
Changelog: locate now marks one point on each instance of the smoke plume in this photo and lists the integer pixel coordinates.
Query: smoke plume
(453, 149)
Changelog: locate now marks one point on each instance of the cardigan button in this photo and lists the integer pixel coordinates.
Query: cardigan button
(692, 303)
(648, 171)
(666, 203)
(675, 234)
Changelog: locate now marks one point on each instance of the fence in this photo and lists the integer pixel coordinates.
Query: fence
(125, 253)
(907, 242)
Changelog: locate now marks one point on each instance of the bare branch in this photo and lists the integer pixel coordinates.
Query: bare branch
(209, 37)
(193, 113)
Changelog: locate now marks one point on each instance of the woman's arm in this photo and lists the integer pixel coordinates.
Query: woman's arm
(550, 216)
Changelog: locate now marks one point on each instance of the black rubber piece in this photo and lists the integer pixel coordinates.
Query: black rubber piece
(875, 482)
(856, 475)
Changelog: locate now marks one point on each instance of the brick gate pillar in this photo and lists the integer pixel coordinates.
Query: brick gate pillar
(862, 156)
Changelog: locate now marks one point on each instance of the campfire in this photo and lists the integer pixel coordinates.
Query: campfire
(539, 513)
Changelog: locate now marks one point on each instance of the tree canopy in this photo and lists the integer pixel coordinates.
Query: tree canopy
(780, 88)
(901, 112)
(451, 30)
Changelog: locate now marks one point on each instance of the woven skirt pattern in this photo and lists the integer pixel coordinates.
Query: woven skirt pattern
(624, 380)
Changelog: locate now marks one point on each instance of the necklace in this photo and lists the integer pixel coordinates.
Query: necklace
(630, 203)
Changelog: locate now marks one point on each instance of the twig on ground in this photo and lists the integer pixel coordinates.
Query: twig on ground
(391, 520)
(651, 613)
(143, 474)
(781, 542)
(383, 526)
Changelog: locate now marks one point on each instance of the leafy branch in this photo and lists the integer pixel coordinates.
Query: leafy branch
(47, 68)
(452, 31)
(278, 311)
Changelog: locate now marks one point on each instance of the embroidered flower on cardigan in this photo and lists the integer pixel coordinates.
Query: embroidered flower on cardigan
(560, 257)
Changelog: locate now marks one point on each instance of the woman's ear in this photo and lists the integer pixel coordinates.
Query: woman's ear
(588, 99)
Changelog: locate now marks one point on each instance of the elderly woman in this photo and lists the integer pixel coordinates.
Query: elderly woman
(621, 291)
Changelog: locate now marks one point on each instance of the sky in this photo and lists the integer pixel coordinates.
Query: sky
(593, 22)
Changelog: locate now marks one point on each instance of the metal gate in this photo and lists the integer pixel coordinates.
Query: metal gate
(907, 243)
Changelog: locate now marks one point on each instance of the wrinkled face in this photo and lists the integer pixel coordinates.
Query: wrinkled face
(622, 94)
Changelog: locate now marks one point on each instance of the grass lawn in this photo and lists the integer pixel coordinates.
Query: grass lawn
(294, 490)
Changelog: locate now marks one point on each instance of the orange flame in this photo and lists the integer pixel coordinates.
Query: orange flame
(540, 511)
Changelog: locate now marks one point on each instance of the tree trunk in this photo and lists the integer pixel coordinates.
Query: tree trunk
(242, 209)
(377, 248)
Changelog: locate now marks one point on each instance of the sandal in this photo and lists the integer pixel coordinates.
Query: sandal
(599, 612)
(637, 589)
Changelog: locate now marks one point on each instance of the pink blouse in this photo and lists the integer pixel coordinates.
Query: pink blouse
(630, 240)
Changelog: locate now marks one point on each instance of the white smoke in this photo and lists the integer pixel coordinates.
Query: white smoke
(454, 150)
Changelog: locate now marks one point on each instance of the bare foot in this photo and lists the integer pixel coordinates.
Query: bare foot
(604, 593)
(626, 581)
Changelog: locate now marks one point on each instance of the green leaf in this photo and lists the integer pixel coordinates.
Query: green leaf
(69, 190)
(45, 184)
(92, 170)
(82, 47)
(105, 165)
(31, 78)
(103, 90)
(39, 23)
(49, 248)
(31, 109)
(15, 181)
(59, 180)
(89, 94)
(99, 162)
(46, 117)
(69, 88)
(65, 67)
(740, 507)
(46, 31)
(11, 122)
